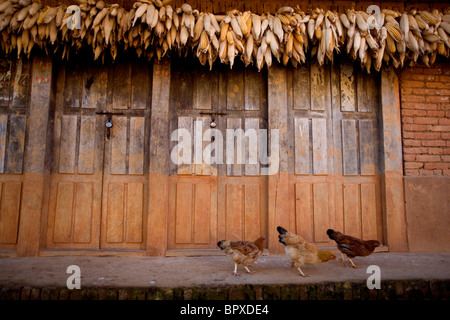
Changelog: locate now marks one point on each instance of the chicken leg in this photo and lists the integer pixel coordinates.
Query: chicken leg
(353, 265)
(248, 270)
(301, 272)
(343, 260)
(235, 269)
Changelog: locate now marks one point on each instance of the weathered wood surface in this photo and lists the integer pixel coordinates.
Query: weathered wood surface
(34, 164)
(159, 160)
(233, 192)
(98, 194)
(393, 172)
(333, 151)
(103, 196)
(10, 195)
(279, 209)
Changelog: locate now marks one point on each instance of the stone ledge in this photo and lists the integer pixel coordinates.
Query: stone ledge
(348, 290)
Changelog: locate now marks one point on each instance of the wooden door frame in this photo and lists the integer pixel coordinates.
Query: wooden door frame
(392, 187)
(35, 180)
(158, 208)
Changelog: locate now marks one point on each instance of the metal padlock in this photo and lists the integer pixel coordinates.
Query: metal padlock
(108, 125)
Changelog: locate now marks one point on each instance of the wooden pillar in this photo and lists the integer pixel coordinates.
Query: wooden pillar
(159, 160)
(36, 144)
(279, 209)
(392, 177)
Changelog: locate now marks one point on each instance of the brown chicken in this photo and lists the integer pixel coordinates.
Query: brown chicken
(302, 252)
(242, 252)
(351, 246)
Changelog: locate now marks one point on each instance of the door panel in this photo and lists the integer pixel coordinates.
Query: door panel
(243, 210)
(123, 216)
(98, 194)
(193, 213)
(10, 195)
(192, 220)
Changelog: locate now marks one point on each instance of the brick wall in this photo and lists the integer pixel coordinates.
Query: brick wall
(425, 105)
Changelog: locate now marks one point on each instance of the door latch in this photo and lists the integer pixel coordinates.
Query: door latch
(108, 123)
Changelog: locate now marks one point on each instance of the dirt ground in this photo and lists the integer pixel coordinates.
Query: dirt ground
(211, 270)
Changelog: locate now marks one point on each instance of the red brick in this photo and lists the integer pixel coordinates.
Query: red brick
(443, 92)
(438, 99)
(413, 98)
(446, 172)
(406, 90)
(445, 135)
(444, 121)
(409, 157)
(415, 127)
(436, 114)
(411, 70)
(433, 143)
(445, 158)
(413, 165)
(432, 71)
(411, 172)
(427, 135)
(415, 150)
(425, 120)
(407, 112)
(439, 128)
(435, 151)
(407, 120)
(429, 92)
(446, 150)
(422, 77)
(413, 84)
(428, 158)
(408, 135)
(425, 172)
(434, 85)
(406, 72)
(439, 166)
(444, 79)
(419, 105)
(412, 143)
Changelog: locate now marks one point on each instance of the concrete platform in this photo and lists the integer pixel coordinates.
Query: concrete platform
(403, 276)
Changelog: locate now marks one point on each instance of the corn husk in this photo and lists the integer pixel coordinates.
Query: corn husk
(153, 28)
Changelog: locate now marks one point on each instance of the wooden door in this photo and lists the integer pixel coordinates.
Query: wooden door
(335, 120)
(15, 88)
(192, 219)
(356, 123)
(243, 213)
(209, 202)
(98, 193)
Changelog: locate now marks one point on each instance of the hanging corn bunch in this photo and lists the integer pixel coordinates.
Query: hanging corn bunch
(153, 28)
